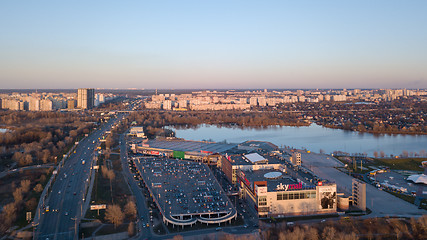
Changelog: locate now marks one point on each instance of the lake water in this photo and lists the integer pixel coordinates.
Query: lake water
(313, 137)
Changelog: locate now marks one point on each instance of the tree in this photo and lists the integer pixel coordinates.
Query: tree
(178, 237)
(38, 188)
(130, 209)
(45, 155)
(111, 176)
(131, 229)
(9, 214)
(17, 195)
(25, 185)
(31, 204)
(17, 156)
(114, 215)
(329, 233)
(376, 154)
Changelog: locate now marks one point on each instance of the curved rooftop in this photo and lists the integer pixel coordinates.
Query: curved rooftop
(418, 178)
(273, 175)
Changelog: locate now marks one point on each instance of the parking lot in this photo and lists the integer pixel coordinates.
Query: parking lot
(380, 202)
(183, 189)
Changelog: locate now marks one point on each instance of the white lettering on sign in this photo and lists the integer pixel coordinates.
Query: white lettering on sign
(287, 187)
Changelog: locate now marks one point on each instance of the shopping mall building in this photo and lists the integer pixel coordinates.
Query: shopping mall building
(275, 194)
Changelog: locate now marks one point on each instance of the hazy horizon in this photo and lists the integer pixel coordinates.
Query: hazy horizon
(213, 45)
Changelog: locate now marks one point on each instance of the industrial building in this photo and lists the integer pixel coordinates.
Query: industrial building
(185, 192)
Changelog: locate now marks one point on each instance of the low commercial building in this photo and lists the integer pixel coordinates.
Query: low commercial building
(230, 164)
(199, 151)
(137, 132)
(275, 194)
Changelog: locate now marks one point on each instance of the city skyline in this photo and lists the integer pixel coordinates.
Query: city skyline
(213, 45)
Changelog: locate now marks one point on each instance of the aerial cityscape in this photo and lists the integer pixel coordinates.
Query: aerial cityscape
(213, 120)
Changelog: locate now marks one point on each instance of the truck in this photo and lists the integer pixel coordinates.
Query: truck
(83, 162)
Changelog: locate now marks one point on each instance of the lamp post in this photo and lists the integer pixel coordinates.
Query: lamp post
(75, 227)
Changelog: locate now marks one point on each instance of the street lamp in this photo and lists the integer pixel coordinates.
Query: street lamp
(75, 226)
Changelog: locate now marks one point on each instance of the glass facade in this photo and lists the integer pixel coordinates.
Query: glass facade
(296, 195)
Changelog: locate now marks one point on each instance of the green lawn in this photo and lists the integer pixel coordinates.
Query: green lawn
(412, 164)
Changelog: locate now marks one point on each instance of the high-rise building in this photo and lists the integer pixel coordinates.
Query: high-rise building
(85, 98)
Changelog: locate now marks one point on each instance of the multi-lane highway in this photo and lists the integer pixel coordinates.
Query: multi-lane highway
(65, 205)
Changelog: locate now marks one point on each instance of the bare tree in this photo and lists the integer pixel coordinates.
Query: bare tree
(25, 185)
(9, 214)
(382, 154)
(17, 156)
(130, 209)
(45, 155)
(31, 204)
(38, 188)
(376, 154)
(17, 195)
(114, 215)
(111, 176)
(178, 237)
(131, 229)
(329, 233)
(405, 154)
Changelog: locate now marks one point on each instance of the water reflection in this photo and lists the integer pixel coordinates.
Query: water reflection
(311, 137)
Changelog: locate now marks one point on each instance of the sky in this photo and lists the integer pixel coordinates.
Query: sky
(170, 44)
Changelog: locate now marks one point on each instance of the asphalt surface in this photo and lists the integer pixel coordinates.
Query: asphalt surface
(381, 203)
(143, 213)
(66, 199)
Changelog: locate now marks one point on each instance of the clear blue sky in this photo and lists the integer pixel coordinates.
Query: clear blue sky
(213, 44)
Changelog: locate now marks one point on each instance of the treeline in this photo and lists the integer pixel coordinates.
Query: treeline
(158, 118)
(24, 197)
(374, 228)
(39, 137)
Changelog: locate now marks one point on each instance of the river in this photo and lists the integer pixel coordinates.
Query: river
(313, 137)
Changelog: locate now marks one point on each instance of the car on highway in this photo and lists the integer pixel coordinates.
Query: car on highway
(218, 228)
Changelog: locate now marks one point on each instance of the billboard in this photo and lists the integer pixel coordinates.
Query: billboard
(327, 197)
(179, 154)
(260, 190)
(98, 207)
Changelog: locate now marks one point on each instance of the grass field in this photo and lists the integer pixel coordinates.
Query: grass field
(412, 164)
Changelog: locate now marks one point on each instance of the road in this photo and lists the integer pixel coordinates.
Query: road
(67, 196)
(18, 170)
(143, 213)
